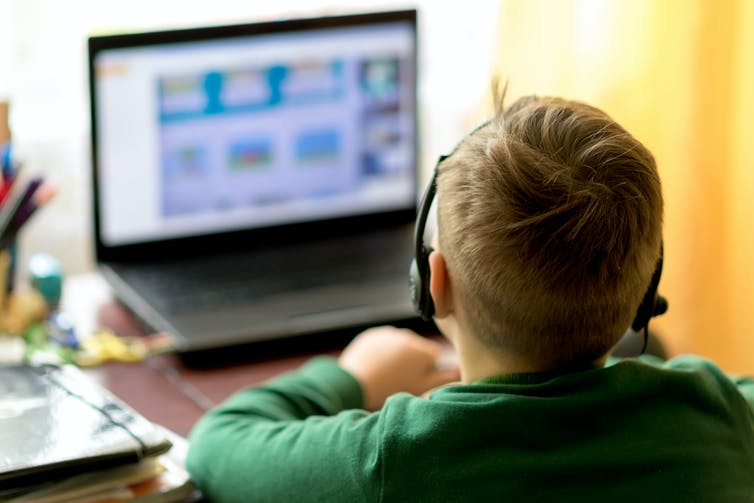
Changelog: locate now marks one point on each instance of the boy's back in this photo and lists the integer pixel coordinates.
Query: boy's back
(619, 433)
(681, 432)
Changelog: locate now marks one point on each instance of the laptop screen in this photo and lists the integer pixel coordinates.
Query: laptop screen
(212, 130)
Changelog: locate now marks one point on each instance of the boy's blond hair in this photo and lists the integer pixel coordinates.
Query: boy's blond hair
(550, 219)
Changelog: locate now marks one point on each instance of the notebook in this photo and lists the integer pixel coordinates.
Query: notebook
(257, 181)
(55, 422)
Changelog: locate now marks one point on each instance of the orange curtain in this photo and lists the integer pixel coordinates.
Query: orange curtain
(679, 75)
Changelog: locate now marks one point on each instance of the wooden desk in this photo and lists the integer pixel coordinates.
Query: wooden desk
(167, 392)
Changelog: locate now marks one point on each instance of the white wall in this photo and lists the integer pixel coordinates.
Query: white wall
(43, 70)
(5, 47)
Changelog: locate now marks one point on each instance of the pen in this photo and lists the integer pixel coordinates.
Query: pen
(9, 176)
(4, 159)
(7, 161)
(5, 152)
(4, 190)
(8, 211)
(40, 198)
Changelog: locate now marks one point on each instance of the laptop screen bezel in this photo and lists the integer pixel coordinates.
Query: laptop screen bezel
(247, 238)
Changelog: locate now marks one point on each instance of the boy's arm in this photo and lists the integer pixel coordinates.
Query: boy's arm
(304, 436)
(282, 442)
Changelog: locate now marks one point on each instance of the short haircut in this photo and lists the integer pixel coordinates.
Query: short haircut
(550, 219)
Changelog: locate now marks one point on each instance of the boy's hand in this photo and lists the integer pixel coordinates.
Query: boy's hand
(386, 360)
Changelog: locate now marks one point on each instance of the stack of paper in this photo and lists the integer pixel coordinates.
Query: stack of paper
(153, 480)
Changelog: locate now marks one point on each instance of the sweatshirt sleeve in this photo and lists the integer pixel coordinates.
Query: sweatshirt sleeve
(300, 437)
(746, 387)
(743, 385)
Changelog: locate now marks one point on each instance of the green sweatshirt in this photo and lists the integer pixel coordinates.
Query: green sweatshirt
(631, 431)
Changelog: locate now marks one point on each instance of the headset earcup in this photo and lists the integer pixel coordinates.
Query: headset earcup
(646, 308)
(418, 283)
(652, 304)
(414, 286)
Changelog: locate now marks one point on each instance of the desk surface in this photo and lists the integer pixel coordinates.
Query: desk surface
(163, 388)
(168, 393)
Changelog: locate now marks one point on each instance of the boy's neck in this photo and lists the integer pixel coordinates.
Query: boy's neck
(477, 361)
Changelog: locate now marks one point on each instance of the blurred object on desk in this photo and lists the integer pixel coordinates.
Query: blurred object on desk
(64, 324)
(104, 345)
(4, 126)
(20, 199)
(46, 276)
(5, 273)
(110, 332)
(24, 308)
(82, 298)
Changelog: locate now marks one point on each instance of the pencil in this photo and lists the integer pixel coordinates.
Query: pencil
(42, 196)
(9, 211)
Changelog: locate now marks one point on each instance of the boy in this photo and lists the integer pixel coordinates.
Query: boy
(549, 233)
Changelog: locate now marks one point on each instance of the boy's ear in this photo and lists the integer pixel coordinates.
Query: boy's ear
(439, 285)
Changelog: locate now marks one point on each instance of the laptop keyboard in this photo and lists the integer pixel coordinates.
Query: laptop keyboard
(217, 281)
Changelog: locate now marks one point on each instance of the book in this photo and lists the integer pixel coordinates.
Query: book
(151, 480)
(55, 422)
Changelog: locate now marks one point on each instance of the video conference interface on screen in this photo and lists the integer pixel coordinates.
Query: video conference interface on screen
(263, 130)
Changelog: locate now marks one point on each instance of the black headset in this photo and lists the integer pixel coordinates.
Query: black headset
(651, 305)
(418, 275)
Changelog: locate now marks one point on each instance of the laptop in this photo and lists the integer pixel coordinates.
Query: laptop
(257, 181)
